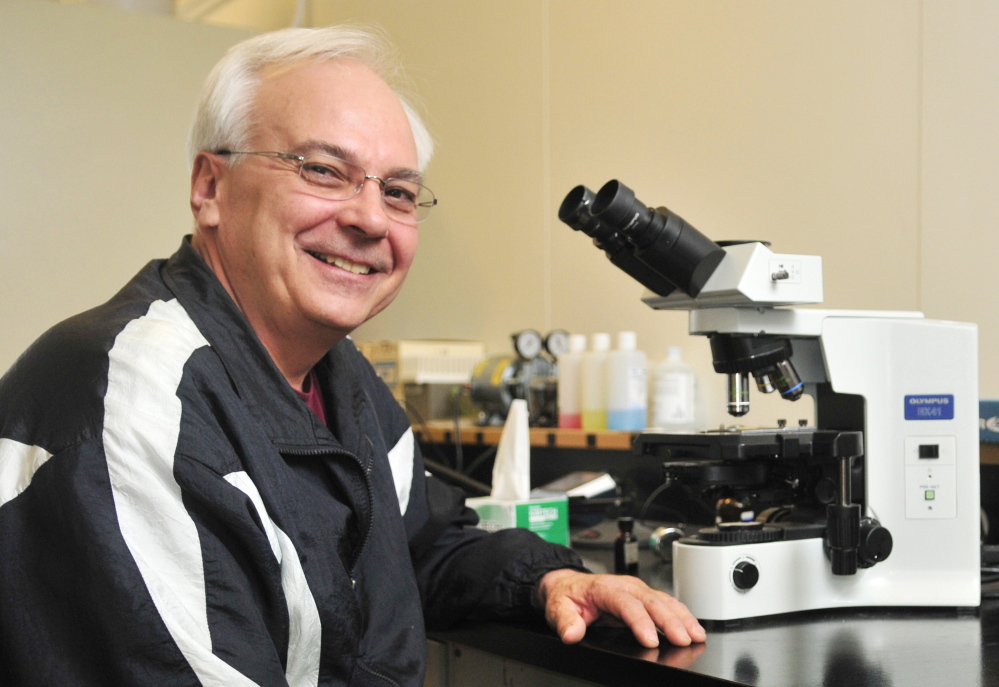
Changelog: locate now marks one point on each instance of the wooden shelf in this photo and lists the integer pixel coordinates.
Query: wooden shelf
(443, 432)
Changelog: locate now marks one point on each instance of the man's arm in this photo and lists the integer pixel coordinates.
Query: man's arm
(465, 572)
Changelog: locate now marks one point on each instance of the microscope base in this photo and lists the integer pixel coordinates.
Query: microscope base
(791, 576)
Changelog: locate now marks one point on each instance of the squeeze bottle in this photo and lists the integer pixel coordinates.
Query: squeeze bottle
(674, 396)
(627, 385)
(569, 383)
(594, 387)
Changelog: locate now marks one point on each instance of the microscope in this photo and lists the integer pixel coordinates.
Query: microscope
(877, 504)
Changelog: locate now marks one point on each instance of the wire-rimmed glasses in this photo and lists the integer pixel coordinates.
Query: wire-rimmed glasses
(405, 200)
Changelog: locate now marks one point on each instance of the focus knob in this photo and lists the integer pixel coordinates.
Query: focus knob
(875, 543)
(745, 575)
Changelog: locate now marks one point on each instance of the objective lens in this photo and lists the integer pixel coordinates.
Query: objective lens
(786, 379)
(764, 384)
(738, 394)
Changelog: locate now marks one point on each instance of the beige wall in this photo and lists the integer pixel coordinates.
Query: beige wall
(94, 110)
(862, 132)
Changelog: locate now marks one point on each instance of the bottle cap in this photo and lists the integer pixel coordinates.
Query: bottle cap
(577, 343)
(627, 341)
(626, 523)
(601, 342)
(674, 353)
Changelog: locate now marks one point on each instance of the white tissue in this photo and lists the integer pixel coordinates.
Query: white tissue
(512, 469)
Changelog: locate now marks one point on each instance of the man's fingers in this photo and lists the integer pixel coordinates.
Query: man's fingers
(646, 610)
(674, 619)
(635, 615)
(572, 630)
(565, 618)
(574, 600)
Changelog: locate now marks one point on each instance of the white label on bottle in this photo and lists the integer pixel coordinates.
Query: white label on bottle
(630, 552)
(674, 399)
(636, 388)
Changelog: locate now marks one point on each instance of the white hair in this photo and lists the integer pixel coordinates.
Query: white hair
(223, 119)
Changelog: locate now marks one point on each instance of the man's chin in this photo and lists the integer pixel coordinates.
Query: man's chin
(344, 315)
(341, 323)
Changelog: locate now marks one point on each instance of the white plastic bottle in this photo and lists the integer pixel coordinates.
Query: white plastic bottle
(627, 385)
(569, 383)
(593, 383)
(674, 395)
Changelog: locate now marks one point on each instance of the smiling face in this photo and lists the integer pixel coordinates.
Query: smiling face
(306, 270)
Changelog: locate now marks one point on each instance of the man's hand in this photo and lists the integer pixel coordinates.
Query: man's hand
(573, 600)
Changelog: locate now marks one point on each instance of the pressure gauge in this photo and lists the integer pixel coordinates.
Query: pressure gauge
(557, 342)
(527, 344)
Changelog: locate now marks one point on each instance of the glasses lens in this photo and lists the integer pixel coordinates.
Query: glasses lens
(408, 200)
(338, 178)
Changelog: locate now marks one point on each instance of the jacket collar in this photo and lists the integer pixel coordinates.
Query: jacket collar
(270, 399)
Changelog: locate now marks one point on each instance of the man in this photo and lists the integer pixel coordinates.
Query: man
(203, 482)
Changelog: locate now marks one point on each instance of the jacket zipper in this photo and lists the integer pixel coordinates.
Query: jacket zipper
(371, 500)
(366, 472)
(378, 675)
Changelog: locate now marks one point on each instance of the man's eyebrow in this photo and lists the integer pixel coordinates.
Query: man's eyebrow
(406, 174)
(316, 146)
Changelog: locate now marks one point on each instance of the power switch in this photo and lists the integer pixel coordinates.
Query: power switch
(930, 477)
(929, 451)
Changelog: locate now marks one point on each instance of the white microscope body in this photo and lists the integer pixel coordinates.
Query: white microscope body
(910, 385)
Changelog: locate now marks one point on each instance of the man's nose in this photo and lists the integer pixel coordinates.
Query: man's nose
(366, 210)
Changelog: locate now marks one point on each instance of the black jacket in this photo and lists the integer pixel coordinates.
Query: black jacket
(171, 513)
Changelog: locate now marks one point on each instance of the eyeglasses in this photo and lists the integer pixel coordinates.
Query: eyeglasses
(405, 200)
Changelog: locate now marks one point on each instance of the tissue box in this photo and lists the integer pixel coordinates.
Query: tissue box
(988, 421)
(547, 517)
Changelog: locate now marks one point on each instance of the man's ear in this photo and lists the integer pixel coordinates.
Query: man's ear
(204, 190)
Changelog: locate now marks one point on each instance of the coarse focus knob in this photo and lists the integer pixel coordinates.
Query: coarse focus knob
(875, 543)
(745, 575)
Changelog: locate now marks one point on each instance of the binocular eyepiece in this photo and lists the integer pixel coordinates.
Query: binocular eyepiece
(653, 245)
(576, 212)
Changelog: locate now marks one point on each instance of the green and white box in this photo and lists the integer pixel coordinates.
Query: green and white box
(547, 517)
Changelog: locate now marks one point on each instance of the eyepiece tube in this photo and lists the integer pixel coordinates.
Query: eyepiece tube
(616, 204)
(662, 239)
(575, 211)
